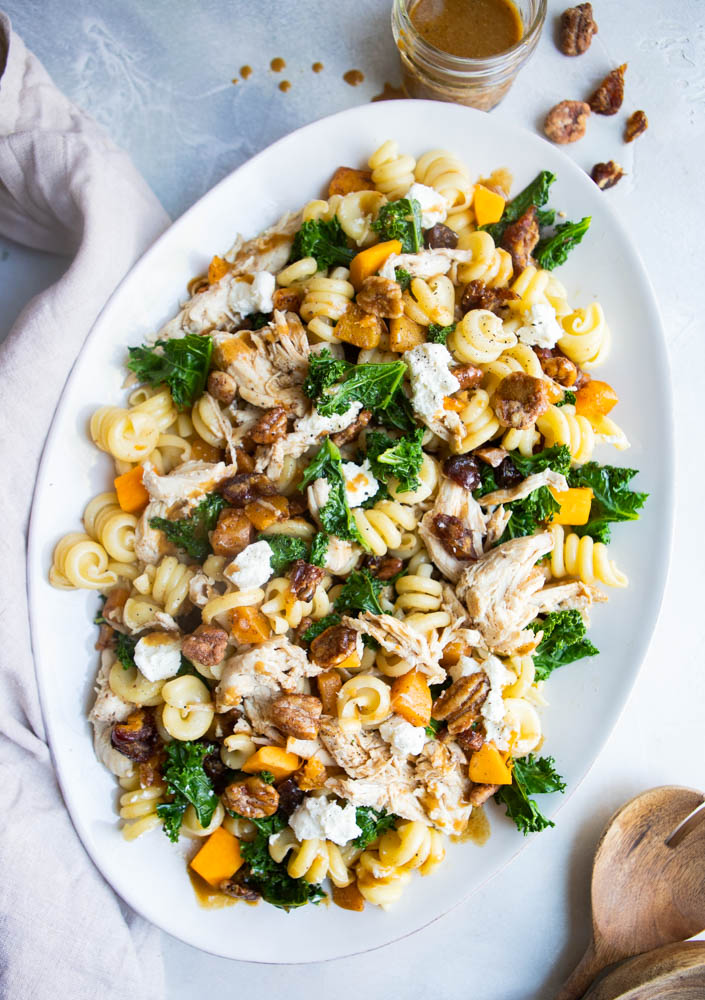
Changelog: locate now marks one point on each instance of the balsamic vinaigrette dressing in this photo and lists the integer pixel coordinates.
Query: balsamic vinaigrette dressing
(471, 29)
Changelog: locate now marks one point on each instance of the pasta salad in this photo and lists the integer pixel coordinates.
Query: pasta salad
(355, 525)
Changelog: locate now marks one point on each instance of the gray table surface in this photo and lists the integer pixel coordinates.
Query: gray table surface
(158, 76)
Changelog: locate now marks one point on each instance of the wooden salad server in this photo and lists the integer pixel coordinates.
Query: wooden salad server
(648, 881)
(673, 972)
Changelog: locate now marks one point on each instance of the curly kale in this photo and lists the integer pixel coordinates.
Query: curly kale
(372, 823)
(530, 776)
(187, 782)
(401, 220)
(269, 877)
(335, 514)
(551, 251)
(613, 500)
(325, 241)
(535, 193)
(400, 459)
(191, 533)
(564, 641)
(439, 334)
(181, 364)
(360, 592)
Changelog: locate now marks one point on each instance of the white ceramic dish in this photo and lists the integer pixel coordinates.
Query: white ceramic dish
(586, 698)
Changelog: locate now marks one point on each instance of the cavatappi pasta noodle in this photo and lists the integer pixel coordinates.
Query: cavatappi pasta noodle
(353, 525)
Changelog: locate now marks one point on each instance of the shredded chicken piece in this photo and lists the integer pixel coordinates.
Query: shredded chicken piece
(150, 543)
(116, 762)
(394, 790)
(201, 589)
(187, 483)
(546, 478)
(277, 664)
(566, 596)
(441, 772)
(452, 605)
(496, 522)
(499, 590)
(458, 502)
(362, 754)
(269, 251)
(397, 637)
(425, 263)
(107, 707)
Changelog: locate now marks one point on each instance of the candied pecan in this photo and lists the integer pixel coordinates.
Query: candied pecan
(606, 175)
(270, 427)
(463, 470)
(519, 400)
(384, 567)
(303, 626)
(441, 236)
(507, 475)
(288, 299)
(333, 646)
(520, 238)
(243, 488)
(232, 533)
(304, 579)
(244, 461)
(115, 604)
(290, 796)
(607, 99)
(239, 888)
(206, 645)
(380, 297)
(460, 704)
(561, 369)
(469, 740)
(252, 798)
(636, 124)
(477, 295)
(297, 715)
(567, 121)
(222, 387)
(350, 432)
(493, 456)
(454, 536)
(576, 30)
(137, 737)
(479, 794)
(106, 637)
(468, 375)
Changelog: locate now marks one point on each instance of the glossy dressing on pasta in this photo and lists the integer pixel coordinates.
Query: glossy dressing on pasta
(471, 29)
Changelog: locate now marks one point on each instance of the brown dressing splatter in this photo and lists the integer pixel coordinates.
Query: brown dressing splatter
(277, 65)
(317, 67)
(245, 72)
(208, 897)
(284, 86)
(478, 828)
(470, 30)
(234, 80)
(353, 77)
(390, 93)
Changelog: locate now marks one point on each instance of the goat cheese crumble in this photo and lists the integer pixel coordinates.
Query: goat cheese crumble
(541, 328)
(402, 737)
(252, 567)
(315, 426)
(431, 378)
(493, 710)
(247, 298)
(360, 484)
(158, 656)
(434, 207)
(317, 818)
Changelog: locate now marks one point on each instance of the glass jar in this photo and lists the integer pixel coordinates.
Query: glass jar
(430, 73)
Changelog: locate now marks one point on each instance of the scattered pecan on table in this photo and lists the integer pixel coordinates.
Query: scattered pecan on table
(606, 175)
(636, 124)
(567, 121)
(607, 99)
(577, 26)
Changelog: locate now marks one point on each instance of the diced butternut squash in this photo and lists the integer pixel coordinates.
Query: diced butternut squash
(267, 510)
(217, 269)
(348, 897)
(312, 775)
(288, 299)
(249, 626)
(453, 651)
(278, 762)
(411, 698)
(453, 404)
(488, 205)
(359, 328)
(351, 662)
(595, 399)
(575, 505)
(219, 858)
(131, 494)
(369, 261)
(488, 766)
(405, 333)
(205, 452)
(329, 683)
(347, 179)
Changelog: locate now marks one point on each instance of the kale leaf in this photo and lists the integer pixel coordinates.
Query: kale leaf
(535, 193)
(401, 220)
(286, 549)
(270, 877)
(400, 459)
(187, 781)
(314, 630)
(530, 513)
(360, 592)
(439, 334)
(568, 398)
(556, 458)
(125, 650)
(182, 364)
(372, 823)
(319, 549)
(564, 641)
(373, 385)
(191, 533)
(530, 776)
(325, 241)
(553, 250)
(335, 514)
(324, 371)
(403, 277)
(612, 501)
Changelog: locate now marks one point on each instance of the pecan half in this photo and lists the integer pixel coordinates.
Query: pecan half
(463, 470)
(384, 567)
(380, 297)
(270, 427)
(477, 295)
(232, 533)
(560, 368)
(460, 704)
(222, 387)
(520, 238)
(636, 124)
(519, 400)
(454, 536)
(479, 794)
(606, 175)
(567, 122)
(441, 236)
(468, 375)
(576, 29)
(206, 645)
(469, 740)
(137, 737)
(243, 488)
(304, 579)
(350, 432)
(252, 798)
(297, 715)
(607, 99)
(333, 646)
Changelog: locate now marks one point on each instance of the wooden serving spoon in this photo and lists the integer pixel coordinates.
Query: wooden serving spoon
(674, 972)
(648, 881)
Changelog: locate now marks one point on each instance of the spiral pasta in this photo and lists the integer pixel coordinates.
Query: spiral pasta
(480, 337)
(517, 358)
(132, 686)
(445, 173)
(561, 425)
(312, 860)
(106, 522)
(188, 710)
(489, 264)
(208, 421)
(382, 526)
(284, 610)
(80, 562)
(167, 583)
(583, 558)
(356, 212)
(430, 301)
(326, 299)
(392, 173)
(479, 423)
(364, 701)
(417, 590)
(128, 435)
(587, 337)
(138, 807)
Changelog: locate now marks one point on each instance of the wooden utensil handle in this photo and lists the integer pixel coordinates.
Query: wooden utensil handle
(577, 984)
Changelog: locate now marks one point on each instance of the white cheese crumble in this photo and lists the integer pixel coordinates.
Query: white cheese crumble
(252, 567)
(431, 378)
(360, 484)
(541, 328)
(464, 668)
(189, 482)
(425, 263)
(402, 737)
(314, 425)
(158, 655)
(434, 207)
(493, 710)
(317, 818)
(247, 298)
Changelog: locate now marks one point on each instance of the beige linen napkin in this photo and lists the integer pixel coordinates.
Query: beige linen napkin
(65, 187)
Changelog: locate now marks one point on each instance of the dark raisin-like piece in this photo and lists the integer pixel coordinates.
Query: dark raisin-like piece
(441, 236)
(507, 475)
(463, 470)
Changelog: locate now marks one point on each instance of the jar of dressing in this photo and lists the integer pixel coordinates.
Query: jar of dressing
(465, 51)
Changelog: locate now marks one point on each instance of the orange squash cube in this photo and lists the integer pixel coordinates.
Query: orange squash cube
(405, 333)
(219, 858)
(575, 505)
(267, 510)
(278, 762)
(489, 206)
(488, 766)
(595, 399)
(217, 269)
(411, 698)
(347, 179)
(131, 494)
(369, 261)
(249, 626)
(359, 328)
